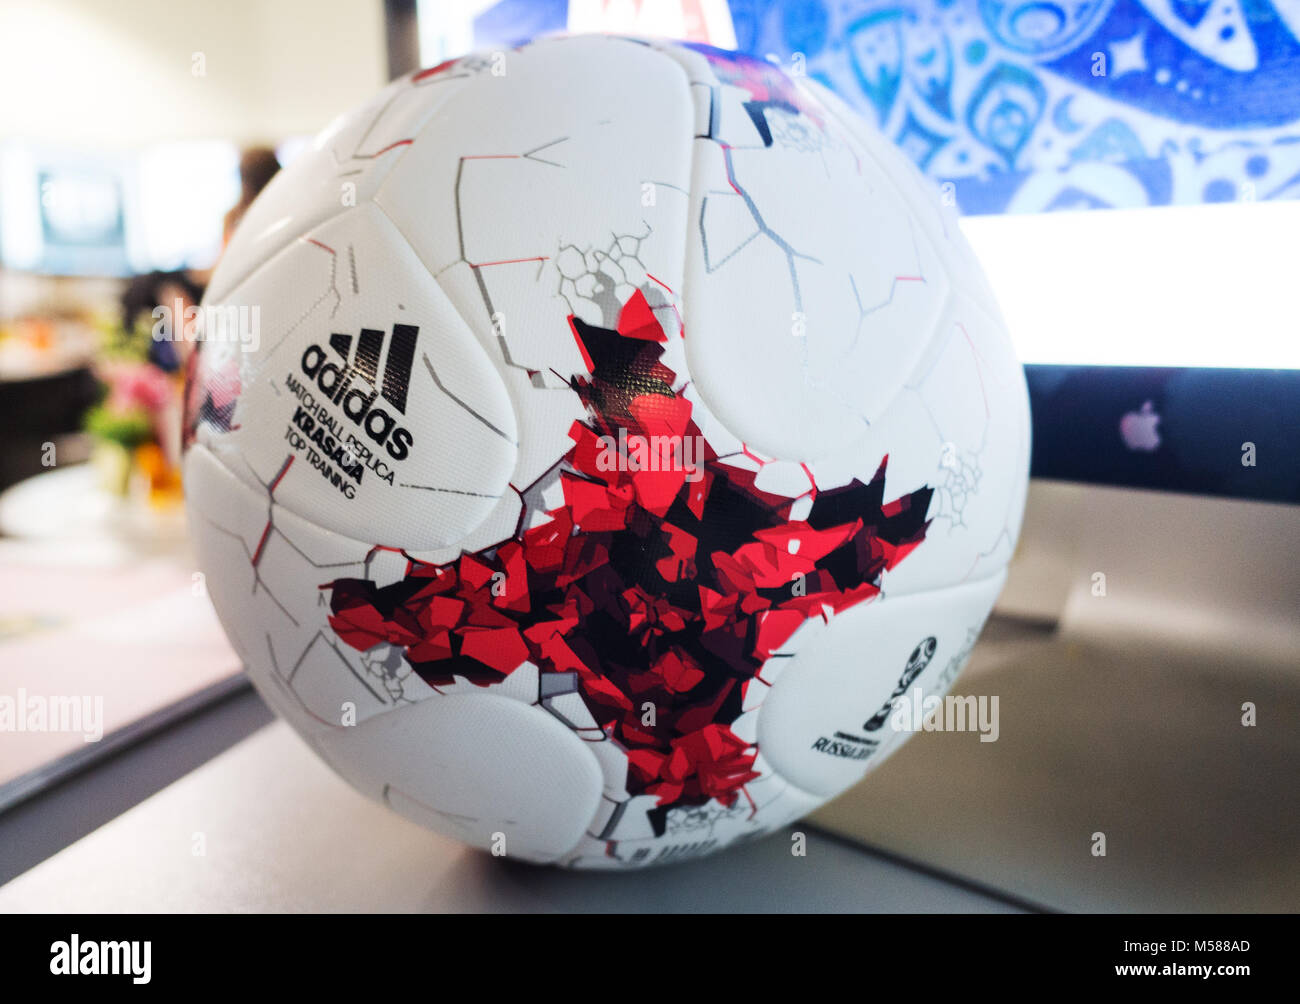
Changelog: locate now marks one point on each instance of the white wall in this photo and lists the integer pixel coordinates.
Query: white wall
(97, 74)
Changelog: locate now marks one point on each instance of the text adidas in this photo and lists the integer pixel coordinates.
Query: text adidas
(356, 399)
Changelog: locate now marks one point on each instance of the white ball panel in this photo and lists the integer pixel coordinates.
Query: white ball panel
(801, 323)
(935, 211)
(474, 765)
(812, 726)
(551, 155)
(968, 413)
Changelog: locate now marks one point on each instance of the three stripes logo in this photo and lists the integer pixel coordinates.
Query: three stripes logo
(355, 382)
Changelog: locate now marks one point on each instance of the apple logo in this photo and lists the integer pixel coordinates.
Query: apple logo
(1138, 429)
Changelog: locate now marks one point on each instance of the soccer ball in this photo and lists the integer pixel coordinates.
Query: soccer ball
(614, 430)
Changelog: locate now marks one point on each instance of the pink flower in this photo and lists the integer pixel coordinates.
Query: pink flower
(137, 385)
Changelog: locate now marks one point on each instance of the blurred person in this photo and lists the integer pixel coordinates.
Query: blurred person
(257, 166)
(177, 291)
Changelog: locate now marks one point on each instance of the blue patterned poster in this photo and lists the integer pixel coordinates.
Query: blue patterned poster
(1032, 105)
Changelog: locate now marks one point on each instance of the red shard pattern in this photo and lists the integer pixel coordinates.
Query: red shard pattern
(655, 586)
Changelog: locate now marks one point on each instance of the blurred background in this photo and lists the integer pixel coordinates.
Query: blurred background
(134, 136)
(1127, 171)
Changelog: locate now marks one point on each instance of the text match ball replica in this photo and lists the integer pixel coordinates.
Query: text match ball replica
(624, 428)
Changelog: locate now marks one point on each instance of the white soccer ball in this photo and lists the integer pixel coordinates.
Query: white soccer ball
(616, 428)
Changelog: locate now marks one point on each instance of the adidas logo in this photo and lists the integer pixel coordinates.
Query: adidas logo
(354, 383)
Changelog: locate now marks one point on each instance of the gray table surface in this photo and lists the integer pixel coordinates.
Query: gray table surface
(265, 826)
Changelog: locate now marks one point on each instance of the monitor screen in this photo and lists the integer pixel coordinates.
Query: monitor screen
(1160, 344)
(1206, 285)
(65, 212)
